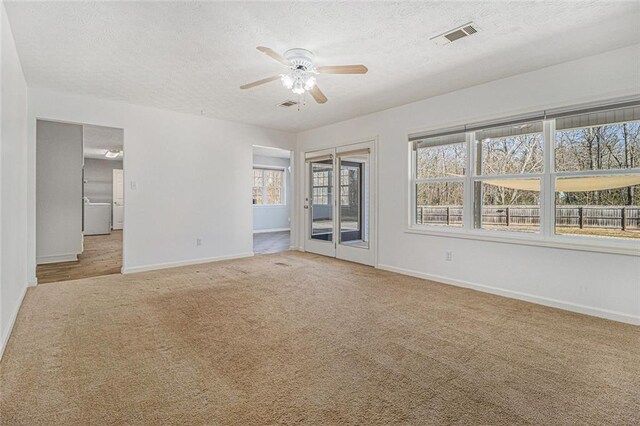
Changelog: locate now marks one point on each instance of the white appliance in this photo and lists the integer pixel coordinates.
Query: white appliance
(97, 218)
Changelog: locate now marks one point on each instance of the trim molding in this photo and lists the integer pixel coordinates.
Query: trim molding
(57, 258)
(12, 321)
(264, 231)
(156, 266)
(554, 303)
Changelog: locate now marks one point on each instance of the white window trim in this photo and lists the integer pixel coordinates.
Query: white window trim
(283, 198)
(546, 237)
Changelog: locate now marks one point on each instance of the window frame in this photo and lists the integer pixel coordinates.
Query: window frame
(283, 192)
(546, 236)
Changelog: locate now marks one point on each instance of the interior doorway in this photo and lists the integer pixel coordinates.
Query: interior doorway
(79, 201)
(339, 200)
(271, 200)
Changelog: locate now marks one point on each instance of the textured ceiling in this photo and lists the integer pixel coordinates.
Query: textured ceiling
(191, 57)
(98, 139)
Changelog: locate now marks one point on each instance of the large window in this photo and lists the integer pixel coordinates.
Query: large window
(566, 177)
(509, 164)
(597, 184)
(268, 186)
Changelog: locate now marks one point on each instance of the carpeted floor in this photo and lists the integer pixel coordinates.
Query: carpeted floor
(294, 338)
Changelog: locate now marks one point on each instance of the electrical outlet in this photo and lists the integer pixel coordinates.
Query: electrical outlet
(198, 242)
(448, 256)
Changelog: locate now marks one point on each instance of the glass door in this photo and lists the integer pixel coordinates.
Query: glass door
(320, 204)
(354, 204)
(338, 203)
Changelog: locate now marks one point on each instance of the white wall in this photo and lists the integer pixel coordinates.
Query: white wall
(13, 182)
(601, 284)
(192, 176)
(58, 192)
(266, 217)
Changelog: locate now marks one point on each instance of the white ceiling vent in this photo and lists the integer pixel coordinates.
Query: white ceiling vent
(287, 103)
(462, 31)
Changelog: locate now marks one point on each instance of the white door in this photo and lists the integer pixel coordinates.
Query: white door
(338, 203)
(118, 199)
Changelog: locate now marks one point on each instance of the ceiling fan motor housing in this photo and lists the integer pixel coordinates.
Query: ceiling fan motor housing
(300, 59)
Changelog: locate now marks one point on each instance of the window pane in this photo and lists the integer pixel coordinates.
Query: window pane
(612, 146)
(321, 195)
(609, 209)
(508, 204)
(510, 150)
(257, 186)
(441, 161)
(274, 182)
(439, 203)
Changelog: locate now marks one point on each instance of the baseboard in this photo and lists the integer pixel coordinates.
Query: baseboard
(42, 260)
(266, 231)
(12, 321)
(567, 306)
(153, 267)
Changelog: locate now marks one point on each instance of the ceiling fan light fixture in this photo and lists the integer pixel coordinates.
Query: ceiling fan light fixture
(311, 81)
(300, 78)
(287, 81)
(298, 89)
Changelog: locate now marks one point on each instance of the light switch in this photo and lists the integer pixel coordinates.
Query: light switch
(134, 185)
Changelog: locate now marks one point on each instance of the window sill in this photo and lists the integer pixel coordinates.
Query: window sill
(568, 243)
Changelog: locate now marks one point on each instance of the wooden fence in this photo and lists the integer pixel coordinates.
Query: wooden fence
(611, 217)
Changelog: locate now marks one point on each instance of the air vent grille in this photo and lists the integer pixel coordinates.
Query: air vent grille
(287, 103)
(470, 29)
(456, 34)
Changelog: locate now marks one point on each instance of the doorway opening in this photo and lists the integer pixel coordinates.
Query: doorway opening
(79, 201)
(271, 200)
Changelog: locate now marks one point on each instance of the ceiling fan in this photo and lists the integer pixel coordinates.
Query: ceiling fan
(301, 75)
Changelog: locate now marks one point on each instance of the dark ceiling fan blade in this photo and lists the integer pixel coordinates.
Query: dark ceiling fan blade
(318, 95)
(343, 69)
(259, 82)
(275, 55)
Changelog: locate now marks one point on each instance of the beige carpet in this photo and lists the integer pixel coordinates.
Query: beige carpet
(294, 338)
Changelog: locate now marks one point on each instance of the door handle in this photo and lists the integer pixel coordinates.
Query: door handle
(306, 207)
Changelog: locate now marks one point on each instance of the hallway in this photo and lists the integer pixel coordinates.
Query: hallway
(102, 256)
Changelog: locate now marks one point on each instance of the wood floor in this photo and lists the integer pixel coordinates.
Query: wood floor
(102, 256)
(271, 242)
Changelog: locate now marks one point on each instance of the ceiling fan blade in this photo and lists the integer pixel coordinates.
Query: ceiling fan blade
(275, 55)
(343, 69)
(318, 95)
(259, 82)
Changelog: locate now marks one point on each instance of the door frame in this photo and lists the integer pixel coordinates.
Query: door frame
(307, 243)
